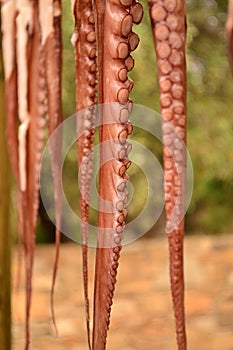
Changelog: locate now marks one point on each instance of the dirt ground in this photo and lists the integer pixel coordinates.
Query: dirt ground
(142, 317)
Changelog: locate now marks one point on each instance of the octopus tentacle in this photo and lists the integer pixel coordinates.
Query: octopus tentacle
(50, 22)
(114, 24)
(30, 134)
(84, 42)
(169, 30)
(37, 97)
(229, 30)
(8, 16)
(23, 21)
(37, 109)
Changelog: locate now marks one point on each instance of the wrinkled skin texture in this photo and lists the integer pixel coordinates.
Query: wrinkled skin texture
(114, 24)
(169, 31)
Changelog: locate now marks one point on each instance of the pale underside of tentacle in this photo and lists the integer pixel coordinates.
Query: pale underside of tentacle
(8, 16)
(115, 42)
(24, 28)
(169, 31)
(50, 21)
(84, 42)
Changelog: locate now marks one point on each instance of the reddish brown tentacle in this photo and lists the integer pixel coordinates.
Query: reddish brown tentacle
(168, 26)
(84, 42)
(30, 136)
(229, 31)
(52, 43)
(37, 109)
(24, 25)
(114, 23)
(35, 140)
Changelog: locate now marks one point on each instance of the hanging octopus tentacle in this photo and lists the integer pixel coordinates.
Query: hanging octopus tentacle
(24, 23)
(84, 42)
(34, 143)
(37, 97)
(229, 31)
(169, 31)
(50, 22)
(23, 38)
(115, 42)
(8, 16)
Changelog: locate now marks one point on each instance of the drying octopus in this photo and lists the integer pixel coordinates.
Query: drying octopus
(103, 40)
(32, 63)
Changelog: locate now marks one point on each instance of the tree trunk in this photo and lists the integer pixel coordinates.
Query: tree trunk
(5, 237)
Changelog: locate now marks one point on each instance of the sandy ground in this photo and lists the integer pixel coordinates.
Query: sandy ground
(142, 317)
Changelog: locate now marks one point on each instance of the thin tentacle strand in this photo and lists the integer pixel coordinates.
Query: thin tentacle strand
(169, 31)
(31, 115)
(84, 42)
(35, 138)
(50, 22)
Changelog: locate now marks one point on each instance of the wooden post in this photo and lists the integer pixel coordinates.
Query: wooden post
(5, 234)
